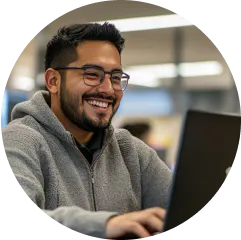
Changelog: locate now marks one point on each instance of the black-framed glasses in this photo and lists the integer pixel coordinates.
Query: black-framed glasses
(94, 76)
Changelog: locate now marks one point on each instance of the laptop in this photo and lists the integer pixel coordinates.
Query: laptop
(207, 149)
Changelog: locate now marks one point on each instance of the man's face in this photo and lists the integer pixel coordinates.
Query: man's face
(83, 105)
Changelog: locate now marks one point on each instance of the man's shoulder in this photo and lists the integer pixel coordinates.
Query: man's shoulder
(133, 150)
(26, 127)
(121, 132)
(128, 141)
(122, 135)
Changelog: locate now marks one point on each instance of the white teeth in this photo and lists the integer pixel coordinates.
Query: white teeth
(99, 104)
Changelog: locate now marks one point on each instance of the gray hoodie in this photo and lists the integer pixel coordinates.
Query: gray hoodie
(125, 175)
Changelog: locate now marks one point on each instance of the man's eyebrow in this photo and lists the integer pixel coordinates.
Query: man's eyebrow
(116, 69)
(98, 66)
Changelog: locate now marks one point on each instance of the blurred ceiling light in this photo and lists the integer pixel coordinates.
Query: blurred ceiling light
(23, 83)
(143, 79)
(151, 75)
(157, 71)
(148, 23)
(200, 69)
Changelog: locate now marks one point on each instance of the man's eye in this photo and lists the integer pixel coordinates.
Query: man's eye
(116, 78)
(91, 74)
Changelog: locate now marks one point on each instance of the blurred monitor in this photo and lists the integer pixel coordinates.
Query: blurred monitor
(146, 102)
(15, 97)
(5, 107)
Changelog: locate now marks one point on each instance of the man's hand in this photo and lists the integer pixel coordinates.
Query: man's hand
(143, 223)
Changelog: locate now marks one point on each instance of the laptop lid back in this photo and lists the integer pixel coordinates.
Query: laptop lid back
(207, 149)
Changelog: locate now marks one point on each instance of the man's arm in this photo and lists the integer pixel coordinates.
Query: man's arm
(156, 177)
(25, 163)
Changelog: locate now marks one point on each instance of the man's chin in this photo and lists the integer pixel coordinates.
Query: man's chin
(95, 123)
(92, 126)
(100, 126)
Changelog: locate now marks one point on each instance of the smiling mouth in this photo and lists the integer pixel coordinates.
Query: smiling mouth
(100, 105)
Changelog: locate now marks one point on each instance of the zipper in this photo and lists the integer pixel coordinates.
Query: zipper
(91, 168)
(93, 189)
(91, 171)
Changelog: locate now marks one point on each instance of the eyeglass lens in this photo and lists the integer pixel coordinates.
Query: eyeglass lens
(93, 77)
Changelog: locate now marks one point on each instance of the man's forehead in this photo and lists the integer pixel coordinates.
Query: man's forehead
(99, 59)
(100, 53)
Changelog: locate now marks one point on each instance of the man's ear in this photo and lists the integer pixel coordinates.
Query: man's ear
(52, 79)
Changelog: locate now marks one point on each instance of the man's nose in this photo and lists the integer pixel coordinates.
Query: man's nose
(106, 86)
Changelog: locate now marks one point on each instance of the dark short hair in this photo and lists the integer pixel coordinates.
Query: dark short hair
(61, 49)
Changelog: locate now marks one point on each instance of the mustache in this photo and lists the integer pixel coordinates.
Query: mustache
(100, 96)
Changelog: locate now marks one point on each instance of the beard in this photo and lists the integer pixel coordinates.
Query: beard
(69, 104)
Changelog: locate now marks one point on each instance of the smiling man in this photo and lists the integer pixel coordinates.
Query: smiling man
(67, 156)
(91, 103)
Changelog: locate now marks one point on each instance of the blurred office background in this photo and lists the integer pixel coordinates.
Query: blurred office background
(172, 64)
